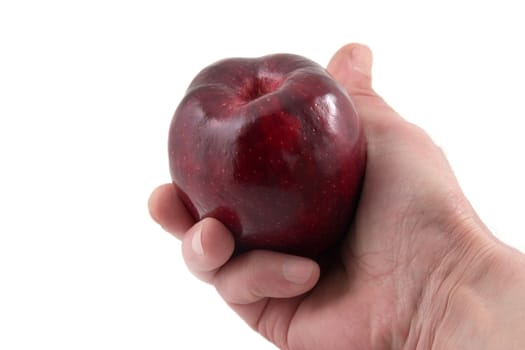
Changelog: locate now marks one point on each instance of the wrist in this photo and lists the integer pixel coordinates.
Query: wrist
(487, 310)
(476, 298)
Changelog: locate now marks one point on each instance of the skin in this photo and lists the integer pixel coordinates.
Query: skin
(419, 269)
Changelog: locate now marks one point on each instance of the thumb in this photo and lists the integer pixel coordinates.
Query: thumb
(351, 66)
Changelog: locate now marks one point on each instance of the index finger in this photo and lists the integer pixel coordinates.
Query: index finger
(167, 209)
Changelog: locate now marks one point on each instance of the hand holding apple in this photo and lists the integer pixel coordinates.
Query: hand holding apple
(273, 148)
(418, 252)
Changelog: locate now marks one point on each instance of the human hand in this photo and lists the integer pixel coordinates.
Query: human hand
(415, 241)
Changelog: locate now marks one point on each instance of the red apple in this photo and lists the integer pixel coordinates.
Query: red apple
(273, 148)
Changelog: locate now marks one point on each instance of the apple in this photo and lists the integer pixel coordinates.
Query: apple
(273, 148)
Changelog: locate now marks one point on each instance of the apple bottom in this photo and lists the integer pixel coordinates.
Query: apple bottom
(306, 223)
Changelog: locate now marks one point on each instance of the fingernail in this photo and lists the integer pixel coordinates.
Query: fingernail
(196, 241)
(298, 271)
(361, 59)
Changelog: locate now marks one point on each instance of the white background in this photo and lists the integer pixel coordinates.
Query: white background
(87, 91)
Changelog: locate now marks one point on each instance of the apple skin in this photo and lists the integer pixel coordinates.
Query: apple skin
(273, 148)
